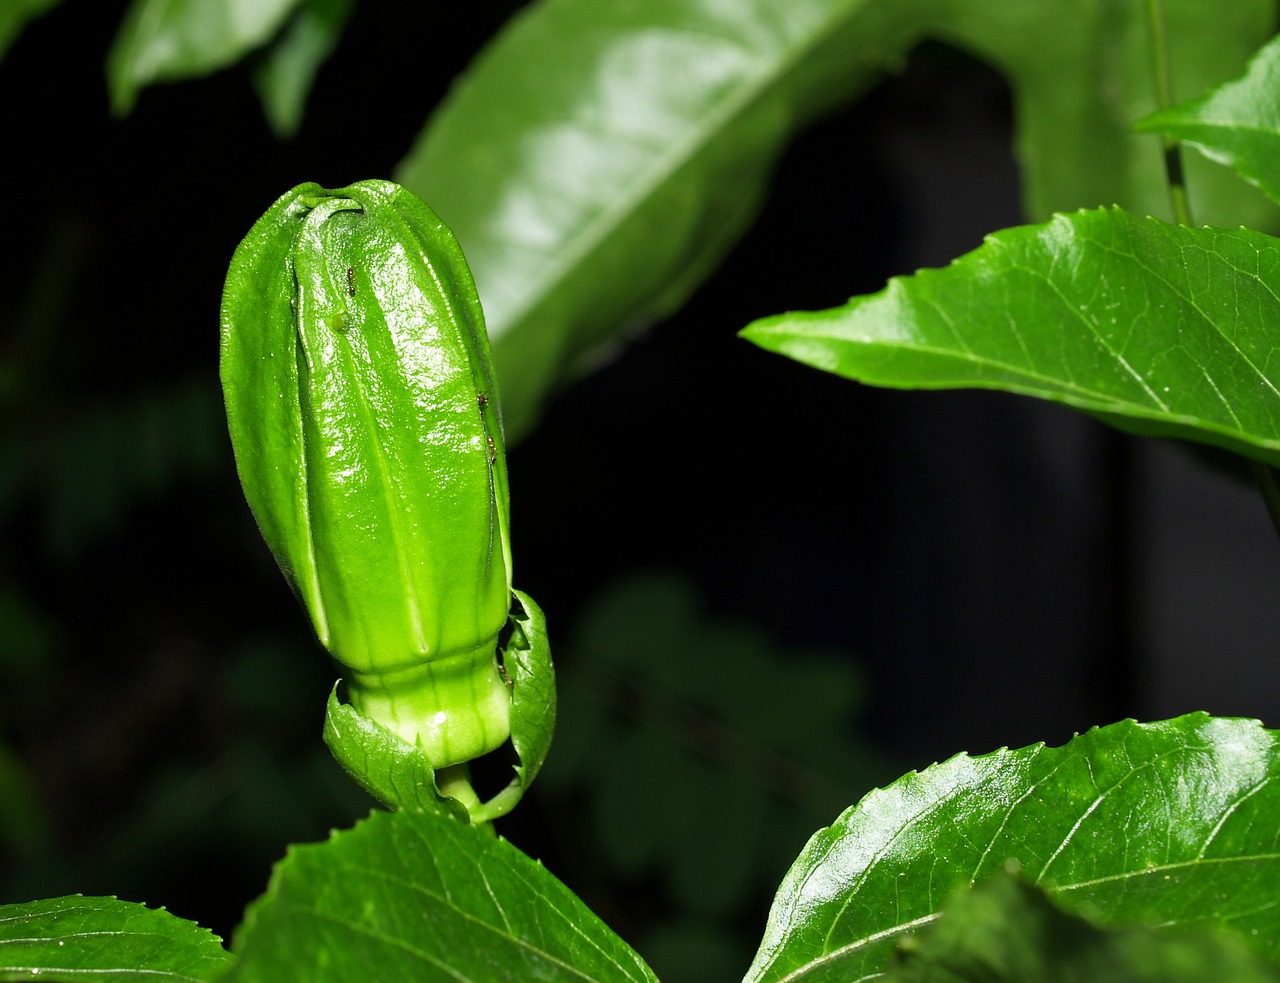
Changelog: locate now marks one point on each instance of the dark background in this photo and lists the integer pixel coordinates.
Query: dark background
(987, 570)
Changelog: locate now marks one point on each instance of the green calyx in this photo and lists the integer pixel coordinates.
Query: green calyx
(456, 707)
(363, 412)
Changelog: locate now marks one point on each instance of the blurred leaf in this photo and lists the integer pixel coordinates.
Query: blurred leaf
(422, 897)
(1237, 124)
(24, 826)
(1159, 328)
(598, 160)
(1170, 823)
(101, 939)
(14, 15)
(1081, 74)
(167, 40)
(110, 457)
(289, 67)
(658, 696)
(1008, 931)
(26, 634)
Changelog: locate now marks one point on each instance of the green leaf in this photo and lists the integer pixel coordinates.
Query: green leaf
(284, 77)
(1081, 73)
(1159, 328)
(1238, 124)
(396, 773)
(14, 15)
(1007, 931)
(166, 40)
(104, 939)
(598, 160)
(1171, 823)
(527, 662)
(423, 898)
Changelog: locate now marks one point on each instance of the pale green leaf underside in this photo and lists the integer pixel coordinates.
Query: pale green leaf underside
(1173, 823)
(1237, 124)
(1159, 328)
(424, 898)
(165, 40)
(284, 77)
(100, 939)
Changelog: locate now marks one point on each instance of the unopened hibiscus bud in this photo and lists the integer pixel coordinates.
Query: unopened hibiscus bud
(364, 416)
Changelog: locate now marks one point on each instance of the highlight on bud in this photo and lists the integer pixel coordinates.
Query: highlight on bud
(364, 416)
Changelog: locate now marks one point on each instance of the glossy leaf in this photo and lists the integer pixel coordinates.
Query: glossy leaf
(1170, 824)
(284, 78)
(1159, 328)
(101, 939)
(1237, 124)
(166, 40)
(597, 160)
(14, 15)
(1007, 931)
(423, 898)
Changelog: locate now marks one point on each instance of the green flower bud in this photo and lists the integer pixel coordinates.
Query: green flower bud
(363, 411)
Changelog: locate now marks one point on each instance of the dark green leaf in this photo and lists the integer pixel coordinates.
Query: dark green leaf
(1237, 124)
(1007, 931)
(100, 939)
(424, 898)
(598, 160)
(14, 15)
(284, 77)
(1160, 328)
(1171, 824)
(166, 40)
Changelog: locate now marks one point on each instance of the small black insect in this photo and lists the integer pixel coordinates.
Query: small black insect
(351, 280)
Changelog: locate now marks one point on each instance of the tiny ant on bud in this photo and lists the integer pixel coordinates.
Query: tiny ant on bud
(351, 280)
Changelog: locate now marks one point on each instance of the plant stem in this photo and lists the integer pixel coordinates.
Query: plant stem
(455, 782)
(1164, 97)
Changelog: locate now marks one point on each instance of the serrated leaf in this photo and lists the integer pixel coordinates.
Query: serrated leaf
(1237, 124)
(1007, 931)
(424, 898)
(1171, 823)
(166, 40)
(14, 15)
(598, 160)
(1159, 328)
(527, 661)
(101, 939)
(284, 77)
